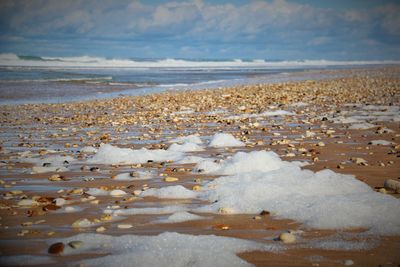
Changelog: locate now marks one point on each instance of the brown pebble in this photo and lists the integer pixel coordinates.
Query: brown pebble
(50, 207)
(56, 248)
(264, 212)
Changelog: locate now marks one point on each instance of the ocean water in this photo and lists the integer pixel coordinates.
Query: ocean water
(31, 79)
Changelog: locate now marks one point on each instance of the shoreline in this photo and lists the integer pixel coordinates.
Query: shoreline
(329, 124)
(108, 92)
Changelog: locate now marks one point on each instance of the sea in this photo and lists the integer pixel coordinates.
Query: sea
(33, 79)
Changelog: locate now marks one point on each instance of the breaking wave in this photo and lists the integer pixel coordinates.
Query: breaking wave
(13, 60)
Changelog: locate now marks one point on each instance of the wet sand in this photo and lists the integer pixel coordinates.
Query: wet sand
(151, 121)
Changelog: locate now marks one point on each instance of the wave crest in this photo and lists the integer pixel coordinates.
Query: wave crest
(13, 60)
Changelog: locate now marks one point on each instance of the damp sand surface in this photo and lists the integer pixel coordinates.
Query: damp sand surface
(51, 158)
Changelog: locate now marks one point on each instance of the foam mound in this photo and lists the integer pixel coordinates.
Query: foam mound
(108, 154)
(326, 200)
(186, 147)
(176, 191)
(178, 217)
(224, 140)
(195, 139)
(244, 162)
(172, 249)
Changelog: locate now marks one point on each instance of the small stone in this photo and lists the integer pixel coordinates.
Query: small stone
(264, 213)
(348, 262)
(51, 207)
(287, 238)
(124, 226)
(75, 244)
(221, 227)
(196, 188)
(106, 217)
(27, 203)
(392, 185)
(225, 210)
(56, 248)
(170, 179)
(76, 191)
(359, 161)
(137, 192)
(382, 190)
(56, 178)
(81, 223)
(258, 217)
(321, 144)
(59, 201)
(100, 229)
(117, 193)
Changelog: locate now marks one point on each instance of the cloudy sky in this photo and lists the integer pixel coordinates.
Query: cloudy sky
(277, 29)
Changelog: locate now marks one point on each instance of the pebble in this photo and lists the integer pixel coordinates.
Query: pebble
(59, 201)
(382, 190)
(348, 262)
(81, 223)
(75, 244)
(124, 226)
(392, 185)
(56, 178)
(137, 192)
(321, 144)
(359, 161)
(56, 248)
(27, 203)
(100, 229)
(287, 238)
(225, 210)
(170, 179)
(196, 188)
(221, 227)
(117, 193)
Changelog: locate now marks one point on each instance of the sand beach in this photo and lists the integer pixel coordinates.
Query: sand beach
(296, 173)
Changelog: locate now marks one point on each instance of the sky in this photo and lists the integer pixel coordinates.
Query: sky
(272, 30)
